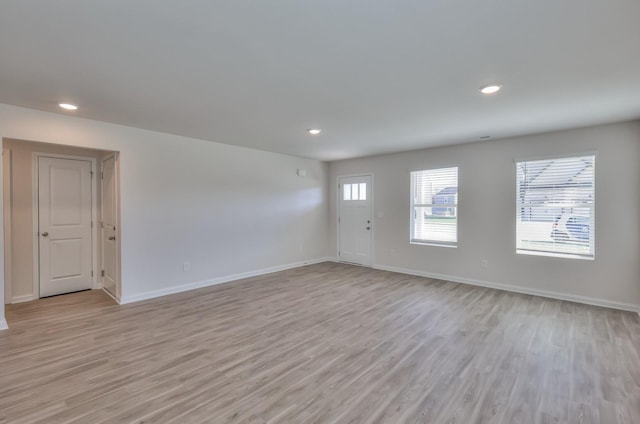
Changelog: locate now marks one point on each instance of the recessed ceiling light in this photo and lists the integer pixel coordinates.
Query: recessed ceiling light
(490, 89)
(315, 131)
(68, 106)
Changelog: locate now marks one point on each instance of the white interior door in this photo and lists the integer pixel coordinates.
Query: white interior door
(64, 230)
(109, 255)
(355, 220)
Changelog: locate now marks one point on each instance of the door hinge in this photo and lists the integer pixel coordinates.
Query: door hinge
(91, 172)
(91, 224)
(102, 175)
(338, 219)
(101, 224)
(102, 273)
(92, 273)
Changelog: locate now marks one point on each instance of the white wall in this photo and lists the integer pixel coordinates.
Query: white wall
(227, 210)
(230, 210)
(487, 214)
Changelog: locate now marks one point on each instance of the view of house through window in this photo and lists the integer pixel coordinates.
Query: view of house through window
(555, 206)
(434, 206)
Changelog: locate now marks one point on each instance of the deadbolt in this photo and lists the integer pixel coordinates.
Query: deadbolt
(45, 234)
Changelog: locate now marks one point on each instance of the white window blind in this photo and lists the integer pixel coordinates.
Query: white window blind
(555, 207)
(434, 206)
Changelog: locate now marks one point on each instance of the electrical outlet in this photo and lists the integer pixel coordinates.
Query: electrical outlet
(484, 263)
(186, 267)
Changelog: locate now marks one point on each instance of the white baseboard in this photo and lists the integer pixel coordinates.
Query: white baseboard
(220, 280)
(112, 296)
(3, 325)
(22, 298)
(516, 289)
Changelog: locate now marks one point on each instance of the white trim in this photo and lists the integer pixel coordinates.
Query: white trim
(116, 182)
(554, 254)
(220, 280)
(111, 295)
(3, 325)
(516, 289)
(35, 208)
(433, 244)
(22, 298)
(35, 244)
(371, 216)
(434, 167)
(7, 198)
(558, 156)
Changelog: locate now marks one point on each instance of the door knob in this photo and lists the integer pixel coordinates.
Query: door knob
(45, 234)
(112, 238)
(368, 228)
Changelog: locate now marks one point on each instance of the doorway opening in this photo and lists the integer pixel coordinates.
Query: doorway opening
(61, 220)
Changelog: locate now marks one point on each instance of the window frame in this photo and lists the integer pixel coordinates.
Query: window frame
(592, 206)
(359, 191)
(412, 206)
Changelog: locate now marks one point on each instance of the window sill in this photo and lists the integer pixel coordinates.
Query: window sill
(554, 254)
(433, 244)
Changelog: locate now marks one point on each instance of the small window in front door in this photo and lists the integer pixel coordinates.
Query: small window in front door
(356, 191)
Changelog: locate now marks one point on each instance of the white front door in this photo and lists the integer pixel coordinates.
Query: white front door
(109, 273)
(64, 231)
(355, 219)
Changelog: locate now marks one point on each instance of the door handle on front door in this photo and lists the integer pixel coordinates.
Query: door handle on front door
(112, 238)
(45, 234)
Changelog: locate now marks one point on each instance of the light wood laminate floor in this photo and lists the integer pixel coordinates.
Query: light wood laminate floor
(327, 343)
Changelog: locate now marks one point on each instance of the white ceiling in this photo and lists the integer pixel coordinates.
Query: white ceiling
(376, 75)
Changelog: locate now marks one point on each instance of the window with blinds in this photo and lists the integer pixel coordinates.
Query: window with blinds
(434, 206)
(555, 207)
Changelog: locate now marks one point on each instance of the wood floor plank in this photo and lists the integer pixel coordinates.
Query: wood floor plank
(327, 343)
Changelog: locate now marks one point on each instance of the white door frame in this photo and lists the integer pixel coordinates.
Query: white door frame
(116, 177)
(35, 209)
(373, 227)
(7, 206)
